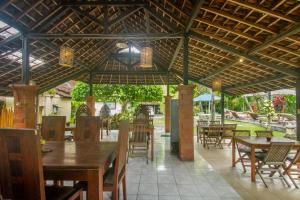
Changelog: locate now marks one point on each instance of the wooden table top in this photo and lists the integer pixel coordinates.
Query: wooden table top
(254, 140)
(78, 155)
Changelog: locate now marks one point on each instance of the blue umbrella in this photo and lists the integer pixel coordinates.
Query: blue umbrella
(205, 97)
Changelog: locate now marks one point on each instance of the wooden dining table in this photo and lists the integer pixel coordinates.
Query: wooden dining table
(81, 161)
(254, 142)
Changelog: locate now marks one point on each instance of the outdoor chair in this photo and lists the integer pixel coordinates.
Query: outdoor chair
(212, 122)
(243, 151)
(228, 130)
(139, 140)
(235, 115)
(22, 171)
(116, 174)
(53, 128)
(292, 168)
(213, 136)
(253, 116)
(273, 161)
(200, 125)
(264, 133)
(83, 110)
(87, 129)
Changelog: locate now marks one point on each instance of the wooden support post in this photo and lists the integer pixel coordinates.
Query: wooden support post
(298, 108)
(168, 113)
(91, 100)
(91, 84)
(25, 60)
(24, 105)
(186, 59)
(186, 122)
(222, 108)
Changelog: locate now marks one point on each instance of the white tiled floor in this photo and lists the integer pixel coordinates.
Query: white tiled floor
(168, 178)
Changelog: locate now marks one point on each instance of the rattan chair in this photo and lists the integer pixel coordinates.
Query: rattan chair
(228, 131)
(274, 160)
(200, 130)
(292, 168)
(243, 151)
(213, 136)
(139, 141)
(264, 133)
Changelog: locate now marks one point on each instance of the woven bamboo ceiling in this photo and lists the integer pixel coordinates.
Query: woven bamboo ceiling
(251, 45)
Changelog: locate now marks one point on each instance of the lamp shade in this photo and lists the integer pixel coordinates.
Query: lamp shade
(216, 85)
(146, 54)
(66, 56)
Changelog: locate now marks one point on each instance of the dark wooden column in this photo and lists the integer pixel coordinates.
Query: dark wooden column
(91, 100)
(222, 107)
(186, 59)
(168, 107)
(298, 108)
(25, 60)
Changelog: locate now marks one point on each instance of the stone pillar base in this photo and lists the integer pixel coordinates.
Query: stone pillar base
(90, 102)
(186, 122)
(168, 114)
(24, 105)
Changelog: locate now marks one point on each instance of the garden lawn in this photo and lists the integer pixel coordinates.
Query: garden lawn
(252, 127)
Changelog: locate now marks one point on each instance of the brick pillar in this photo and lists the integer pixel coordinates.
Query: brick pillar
(168, 113)
(186, 122)
(24, 105)
(90, 102)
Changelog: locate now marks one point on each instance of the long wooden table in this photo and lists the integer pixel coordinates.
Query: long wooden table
(254, 143)
(86, 161)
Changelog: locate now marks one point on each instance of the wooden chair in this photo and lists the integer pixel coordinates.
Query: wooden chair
(200, 130)
(292, 168)
(53, 128)
(243, 151)
(139, 140)
(228, 131)
(22, 171)
(87, 129)
(214, 122)
(264, 133)
(83, 110)
(116, 175)
(213, 136)
(275, 159)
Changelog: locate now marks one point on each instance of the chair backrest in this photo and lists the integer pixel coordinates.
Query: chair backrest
(139, 132)
(242, 133)
(264, 133)
(87, 129)
(53, 128)
(121, 150)
(278, 152)
(20, 165)
(214, 130)
(83, 110)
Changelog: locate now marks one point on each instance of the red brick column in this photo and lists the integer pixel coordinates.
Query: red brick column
(24, 105)
(90, 102)
(186, 122)
(167, 113)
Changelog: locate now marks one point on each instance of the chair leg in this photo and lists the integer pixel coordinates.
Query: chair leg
(293, 181)
(279, 171)
(263, 180)
(115, 194)
(124, 188)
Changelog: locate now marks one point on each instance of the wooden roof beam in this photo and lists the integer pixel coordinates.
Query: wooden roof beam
(104, 36)
(295, 29)
(195, 12)
(255, 82)
(138, 72)
(252, 58)
(86, 14)
(123, 16)
(10, 39)
(104, 3)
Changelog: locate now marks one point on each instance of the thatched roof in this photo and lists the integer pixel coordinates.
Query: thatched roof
(264, 33)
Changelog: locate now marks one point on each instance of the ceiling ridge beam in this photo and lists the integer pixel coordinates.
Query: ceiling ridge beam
(252, 58)
(195, 12)
(105, 2)
(131, 72)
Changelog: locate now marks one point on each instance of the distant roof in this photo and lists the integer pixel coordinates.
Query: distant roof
(205, 97)
(275, 92)
(64, 90)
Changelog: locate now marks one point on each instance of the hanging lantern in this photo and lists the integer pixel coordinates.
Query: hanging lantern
(66, 56)
(216, 85)
(146, 57)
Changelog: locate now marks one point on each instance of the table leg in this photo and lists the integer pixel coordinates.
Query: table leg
(95, 185)
(233, 143)
(204, 135)
(253, 178)
(152, 145)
